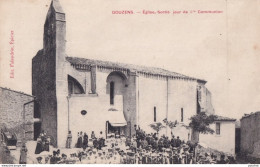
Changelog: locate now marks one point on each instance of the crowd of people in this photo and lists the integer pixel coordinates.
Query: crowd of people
(141, 148)
(96, 142)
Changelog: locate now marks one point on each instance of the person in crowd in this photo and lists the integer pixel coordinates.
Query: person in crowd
(173, 141)
(69, 140)
(231, 159)
(46, 159)
(23, 154)
(38, 148)
(102, 138)
(53, 159)
(222, 159)
(117, 134)
(160, 144)
(93, 135)
(95, 143)
(39, 160)
(43, 135)
(80, 140)
(85, 141)
(178, 142)
(151, 151)
(47, 144)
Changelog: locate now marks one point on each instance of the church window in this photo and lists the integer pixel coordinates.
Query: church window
(83, 112)
(112, 92)
(74, 87)
(182, 114)
(218, 128)
(154, 114)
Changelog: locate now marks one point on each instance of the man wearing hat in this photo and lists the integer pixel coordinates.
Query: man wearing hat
(155, 144)
(160, 144)
(176, 159)
(173, 141)
(178, 142)
(53, 159)
(39, 160)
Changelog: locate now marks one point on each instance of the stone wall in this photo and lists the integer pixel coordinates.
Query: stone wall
(11, 113)
(250, 134)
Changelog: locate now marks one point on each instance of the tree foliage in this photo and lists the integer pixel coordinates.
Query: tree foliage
(157, 126)
(201, 122)
(171, 124)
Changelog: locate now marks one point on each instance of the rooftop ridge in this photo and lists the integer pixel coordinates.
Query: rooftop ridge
(251, 114)
(16, 91)
(138, 68)
(222, 118)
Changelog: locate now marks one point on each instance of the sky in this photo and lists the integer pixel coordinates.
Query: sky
(223, 48)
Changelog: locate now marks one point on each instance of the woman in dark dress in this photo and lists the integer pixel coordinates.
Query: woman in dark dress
(79, 143)
(93, 135)
(38, 149)
(85, 141)
(47, 144)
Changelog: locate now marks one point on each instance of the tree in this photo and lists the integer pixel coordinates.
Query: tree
(170, 124)
(157, 126)
(201, 122)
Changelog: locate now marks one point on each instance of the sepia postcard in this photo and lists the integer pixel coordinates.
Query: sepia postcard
(129, 82)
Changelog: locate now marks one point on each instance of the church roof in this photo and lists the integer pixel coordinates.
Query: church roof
(131, 67)
(221, 118)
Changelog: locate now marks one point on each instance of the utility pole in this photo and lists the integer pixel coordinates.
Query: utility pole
(68, 98)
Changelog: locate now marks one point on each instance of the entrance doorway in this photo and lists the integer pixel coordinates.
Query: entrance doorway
(114, 131)
(37, 130)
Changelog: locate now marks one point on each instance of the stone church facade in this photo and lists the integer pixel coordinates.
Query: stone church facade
(79, 94)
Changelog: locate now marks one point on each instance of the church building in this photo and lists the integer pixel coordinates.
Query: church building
(80, 94)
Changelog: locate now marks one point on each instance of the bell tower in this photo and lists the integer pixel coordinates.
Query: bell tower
(54, 47)
(49, 78)
(54, 38)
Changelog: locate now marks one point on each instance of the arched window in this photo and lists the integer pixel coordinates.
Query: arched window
(154, 114)
(182, 114)
(74, 87)
(112, 92)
